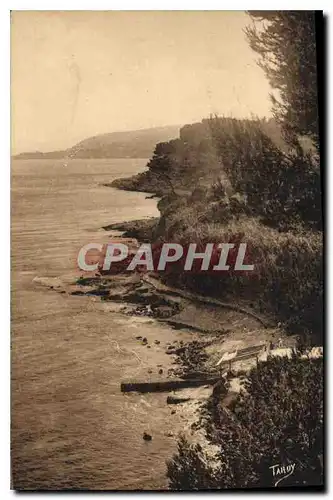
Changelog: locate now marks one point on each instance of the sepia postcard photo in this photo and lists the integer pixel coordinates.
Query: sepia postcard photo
(166, 250)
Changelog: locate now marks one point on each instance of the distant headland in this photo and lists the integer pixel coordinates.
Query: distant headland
(128, 144)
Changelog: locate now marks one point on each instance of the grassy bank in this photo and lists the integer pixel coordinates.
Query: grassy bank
(227, 180)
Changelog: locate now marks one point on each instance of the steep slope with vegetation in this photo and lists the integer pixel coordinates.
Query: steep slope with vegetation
(259, 182)
(192, 160)
(277, 419)
(226, 180)
(256, 181)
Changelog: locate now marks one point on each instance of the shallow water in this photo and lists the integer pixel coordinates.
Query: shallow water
(71, 426)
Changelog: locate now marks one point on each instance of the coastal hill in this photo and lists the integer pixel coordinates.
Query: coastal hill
(129, 144)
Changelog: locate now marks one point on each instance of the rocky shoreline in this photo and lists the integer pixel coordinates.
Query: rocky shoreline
(141, 229)
(144, 182)
(203, 330)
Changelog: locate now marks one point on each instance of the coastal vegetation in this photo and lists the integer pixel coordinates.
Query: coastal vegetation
(256, 181)
(276, 420)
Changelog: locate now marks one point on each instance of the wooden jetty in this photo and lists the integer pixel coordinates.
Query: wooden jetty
(240, 355)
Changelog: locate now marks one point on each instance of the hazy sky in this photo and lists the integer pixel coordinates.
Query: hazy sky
(77, 74)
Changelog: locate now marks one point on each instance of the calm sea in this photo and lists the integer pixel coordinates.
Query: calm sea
(71, 426)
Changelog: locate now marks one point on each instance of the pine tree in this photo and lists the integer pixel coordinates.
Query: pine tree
(286, 44)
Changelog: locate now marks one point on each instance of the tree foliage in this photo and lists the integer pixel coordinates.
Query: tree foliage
(281, 186)
(286, 44)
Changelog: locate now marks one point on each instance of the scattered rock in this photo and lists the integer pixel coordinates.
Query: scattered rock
(142, 310)
(141, 229)
(139, 337)
(191, 358)
(220, 390)
(174, 400)
(157, 342)
(150, 371)
(148, 346)
(163, 311)
(180, 350)
(147, 437)
(160, 371)
(169, 434)
(173, 412)
(144, 340)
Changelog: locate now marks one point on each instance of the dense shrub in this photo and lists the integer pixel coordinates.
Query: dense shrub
(282, 187)
(268, 197)
(239, 157)
(287, 279)
(277, 419)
